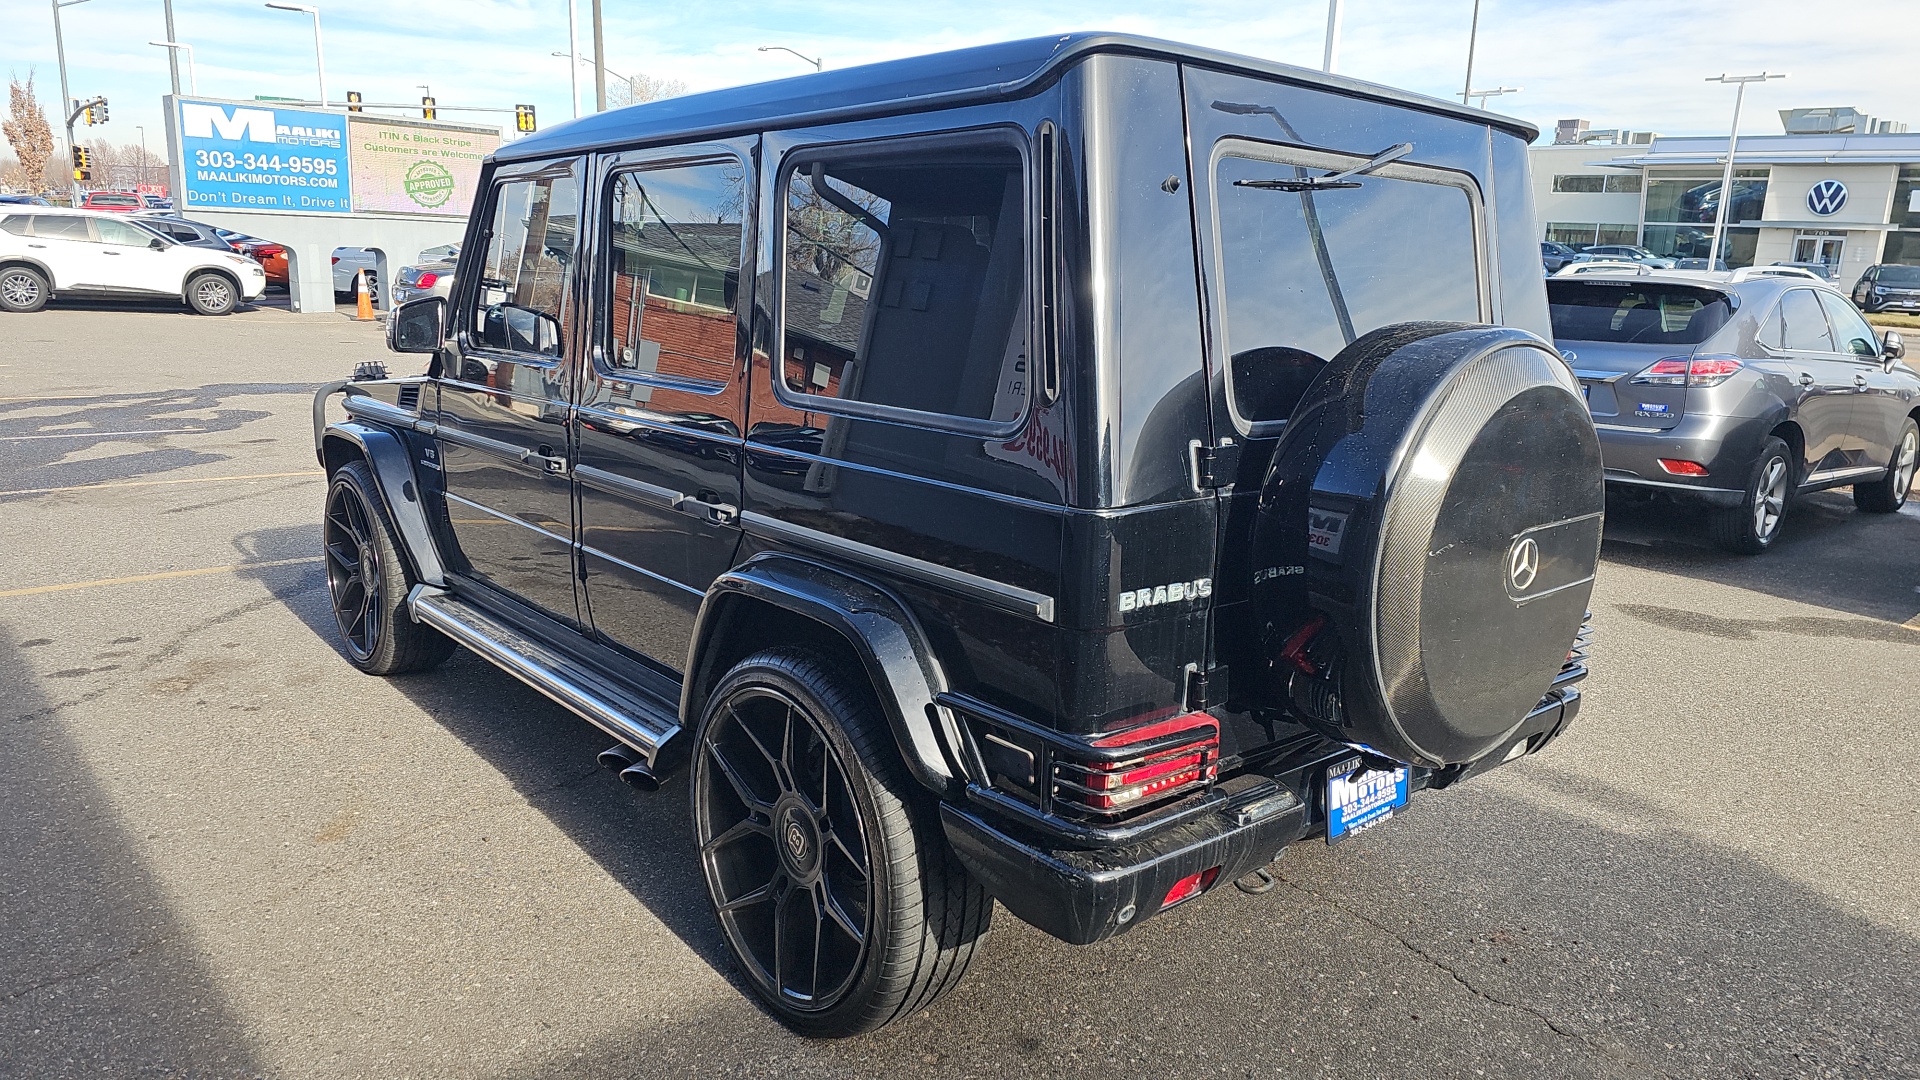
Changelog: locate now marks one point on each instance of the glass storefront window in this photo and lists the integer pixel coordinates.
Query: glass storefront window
(1697, 198)
(1582, 234)
(1906, 197)
(1692, 242)
(1902, 247)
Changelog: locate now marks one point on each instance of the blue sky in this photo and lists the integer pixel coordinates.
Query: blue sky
(1618, 63)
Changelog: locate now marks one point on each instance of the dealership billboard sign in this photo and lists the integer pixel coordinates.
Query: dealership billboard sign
(258, 156)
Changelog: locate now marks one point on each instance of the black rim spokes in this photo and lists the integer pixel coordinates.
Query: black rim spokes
(784, 848)
(353, 571)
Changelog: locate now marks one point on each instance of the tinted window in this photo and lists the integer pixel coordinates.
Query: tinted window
(674, 248)
(1635, 312)
(525, 300)
(1304, 273)
(122, 233)
(1901, 276)
(17, 225)
(61, 227)
(905, 280)
(1850, 330)
(1800, 324)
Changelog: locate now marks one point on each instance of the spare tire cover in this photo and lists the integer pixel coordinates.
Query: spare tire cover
(1426, 540)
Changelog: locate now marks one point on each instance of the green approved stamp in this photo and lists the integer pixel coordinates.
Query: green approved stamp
(428, 183)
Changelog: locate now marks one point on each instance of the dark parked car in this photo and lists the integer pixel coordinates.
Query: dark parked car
(1888, 287)
(1740, 393)
(1015, 538)
(190, 233)
(1554, 255)
(23, 200)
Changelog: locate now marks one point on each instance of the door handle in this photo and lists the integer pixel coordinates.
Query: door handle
(708, 508)
(1860, 382)
(115, 254)
(1806, 379)
(543, 458)
(42, 247)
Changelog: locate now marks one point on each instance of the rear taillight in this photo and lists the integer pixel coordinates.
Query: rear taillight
(427, 281)
(336, 260)
(1677, 467)
(1694, 371)
(1133, 769)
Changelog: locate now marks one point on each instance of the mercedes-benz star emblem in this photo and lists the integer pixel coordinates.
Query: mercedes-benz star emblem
(1524, 565)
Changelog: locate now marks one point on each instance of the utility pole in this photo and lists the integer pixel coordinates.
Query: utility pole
(573, 51)
(173, 61)
(1733, 138)
(599, 62)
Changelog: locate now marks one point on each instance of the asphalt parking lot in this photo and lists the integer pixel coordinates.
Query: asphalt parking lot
(225, 853)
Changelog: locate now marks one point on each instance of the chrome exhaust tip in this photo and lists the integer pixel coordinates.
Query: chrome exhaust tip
(618, 757)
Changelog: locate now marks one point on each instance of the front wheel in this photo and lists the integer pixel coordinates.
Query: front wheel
(368, 580)
(1889, 493)
(23, 289)
(829, 875)
(1751, 527)
(212, 294)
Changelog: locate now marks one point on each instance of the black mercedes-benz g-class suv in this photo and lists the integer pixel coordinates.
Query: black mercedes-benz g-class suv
(1064, 473)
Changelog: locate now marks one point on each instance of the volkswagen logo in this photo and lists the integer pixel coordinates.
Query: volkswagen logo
(1827, 197)
(1524, 564)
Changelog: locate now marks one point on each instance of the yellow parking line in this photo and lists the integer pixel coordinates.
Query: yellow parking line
(1913, 623)
(156, 483)
(160, 576)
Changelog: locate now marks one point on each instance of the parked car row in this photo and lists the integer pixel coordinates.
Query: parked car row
(47, 251)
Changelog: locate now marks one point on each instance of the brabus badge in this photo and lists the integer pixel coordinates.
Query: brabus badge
(1174, 592)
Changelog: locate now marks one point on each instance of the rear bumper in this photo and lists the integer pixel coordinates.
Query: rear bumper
(1726, 445)
(1085, 895)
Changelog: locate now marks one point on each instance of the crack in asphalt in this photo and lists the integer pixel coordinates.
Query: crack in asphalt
(1556, 1027)
(90, 969)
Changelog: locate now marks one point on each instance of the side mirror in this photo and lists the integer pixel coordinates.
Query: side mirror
(1892, 345)
(417, 326)
(157, 244)
(512, 328)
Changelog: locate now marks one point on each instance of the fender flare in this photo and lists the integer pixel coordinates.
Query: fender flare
(387, 454)
(35, 264)
(877, 625)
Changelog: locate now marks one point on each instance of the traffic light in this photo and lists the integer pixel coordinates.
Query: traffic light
(99, 112)
(523, 118)
(82, 163)
(426, 108)
(353, 101)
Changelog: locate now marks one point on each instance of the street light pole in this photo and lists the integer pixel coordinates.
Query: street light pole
(599, 62)
(141, 128)
(193, 74)
(173, 62)
(319, 53)
(1332, 51)
(796, 52)
(1473, 38)
(573, 50)
(1733, 139)
(66, 102)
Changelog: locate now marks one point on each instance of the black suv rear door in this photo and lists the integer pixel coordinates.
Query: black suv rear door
(504, 390)
(663, 391)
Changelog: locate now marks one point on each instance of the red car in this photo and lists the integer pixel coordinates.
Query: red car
(125, 202)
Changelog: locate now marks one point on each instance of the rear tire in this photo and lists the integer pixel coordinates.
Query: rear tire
(209, 293)
(828, 872)
(1752, 527)
(368, 581)
(23, 289)
(1889, 493)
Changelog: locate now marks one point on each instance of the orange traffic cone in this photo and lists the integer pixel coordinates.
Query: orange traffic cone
(365, 314)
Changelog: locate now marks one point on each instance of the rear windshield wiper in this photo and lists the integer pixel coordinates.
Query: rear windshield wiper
(1330, 181)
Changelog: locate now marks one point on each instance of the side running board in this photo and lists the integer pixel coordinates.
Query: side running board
(630, 718)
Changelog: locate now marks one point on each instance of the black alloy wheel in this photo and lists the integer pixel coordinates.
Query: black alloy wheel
(368, 580)
(837, 897)
(23, 289)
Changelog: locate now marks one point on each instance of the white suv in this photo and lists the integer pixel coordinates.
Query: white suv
(46, 251)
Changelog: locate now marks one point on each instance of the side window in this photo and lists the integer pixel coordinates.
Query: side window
(905, 282)
(1803, 326)
(1304, 271)
(1850, 331)
(17, 225)
(674, 255)
(525, 302)
(61, 227)
(122, 234)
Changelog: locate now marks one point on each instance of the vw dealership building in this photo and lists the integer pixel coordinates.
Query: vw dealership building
(1847, 196)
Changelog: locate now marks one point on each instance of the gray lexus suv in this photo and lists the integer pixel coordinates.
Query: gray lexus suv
(1741, 391)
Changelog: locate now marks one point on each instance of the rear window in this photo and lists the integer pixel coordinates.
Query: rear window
(1635, 312)
(1305, 271)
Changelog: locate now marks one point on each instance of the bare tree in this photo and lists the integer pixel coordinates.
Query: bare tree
(641, 89)
(123, 166)
(27, 131)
